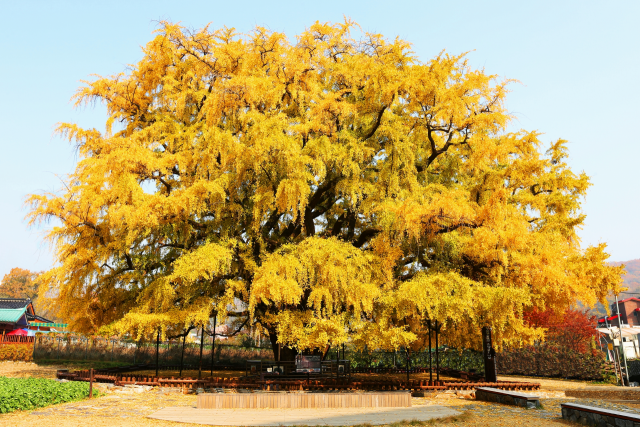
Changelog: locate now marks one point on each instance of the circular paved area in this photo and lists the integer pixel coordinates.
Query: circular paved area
(306, 417)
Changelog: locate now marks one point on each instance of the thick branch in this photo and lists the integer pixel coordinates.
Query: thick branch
(365, 236)
(376, 125)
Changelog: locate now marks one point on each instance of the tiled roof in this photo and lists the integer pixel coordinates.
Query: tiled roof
(11, 315)
(13, 303)
(34, 318)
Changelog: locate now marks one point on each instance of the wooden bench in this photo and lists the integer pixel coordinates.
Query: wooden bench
(506, 397)
(593, 416)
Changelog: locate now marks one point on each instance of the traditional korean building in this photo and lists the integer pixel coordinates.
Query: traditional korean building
(19, 313)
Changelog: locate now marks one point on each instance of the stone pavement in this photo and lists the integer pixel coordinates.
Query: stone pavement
(550, 410)
(309, 417)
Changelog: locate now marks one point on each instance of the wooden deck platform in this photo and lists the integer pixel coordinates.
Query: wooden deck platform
(303, 400)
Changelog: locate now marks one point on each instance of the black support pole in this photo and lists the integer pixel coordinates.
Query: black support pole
(157, 350)
(430, 366)
(407, 367)
(437, 355)
(201, 345)
(213, 341)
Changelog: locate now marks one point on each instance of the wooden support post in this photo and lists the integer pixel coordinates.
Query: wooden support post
(91, 383)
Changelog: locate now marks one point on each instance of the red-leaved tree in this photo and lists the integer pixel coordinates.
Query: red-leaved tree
(574, 329)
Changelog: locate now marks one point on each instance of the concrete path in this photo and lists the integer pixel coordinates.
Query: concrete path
(309, 417)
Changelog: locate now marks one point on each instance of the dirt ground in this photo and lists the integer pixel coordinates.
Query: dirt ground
(131, 407)
(120, 409)
(28, 369)
(554, 384)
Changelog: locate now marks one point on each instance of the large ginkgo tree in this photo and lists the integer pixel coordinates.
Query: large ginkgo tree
(325, 190)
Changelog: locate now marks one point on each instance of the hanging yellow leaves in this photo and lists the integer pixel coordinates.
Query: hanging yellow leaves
(330, 189)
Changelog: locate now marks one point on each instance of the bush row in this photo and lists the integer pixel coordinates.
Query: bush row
(170, 353)
(552, 361)
(16, 352)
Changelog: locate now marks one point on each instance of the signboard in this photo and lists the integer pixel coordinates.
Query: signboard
(610, 346)
(308, 363)
(489, 355)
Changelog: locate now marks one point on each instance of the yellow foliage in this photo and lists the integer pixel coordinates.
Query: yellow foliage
(328, 189)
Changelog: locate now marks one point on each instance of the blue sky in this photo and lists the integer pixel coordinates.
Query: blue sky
(577, 62)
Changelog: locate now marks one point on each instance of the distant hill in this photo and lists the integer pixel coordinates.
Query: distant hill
(631, 280)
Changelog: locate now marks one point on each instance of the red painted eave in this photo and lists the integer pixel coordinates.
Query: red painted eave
(608, 318)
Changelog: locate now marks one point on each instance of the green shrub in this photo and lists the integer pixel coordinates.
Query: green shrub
(30, 393)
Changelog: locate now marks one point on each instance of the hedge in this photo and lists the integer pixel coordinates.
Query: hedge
(552, 361)
(16, 352)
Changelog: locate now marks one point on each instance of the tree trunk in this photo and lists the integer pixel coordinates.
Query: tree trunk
(287, 354)
(213, 341)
